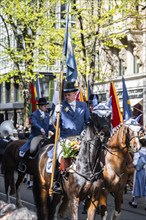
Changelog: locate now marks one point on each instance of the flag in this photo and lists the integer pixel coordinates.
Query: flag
(116, 114)
(94, 101)
(127, 112)
(32, 99)
(79, 96)
(88, 92)
(66, 31)
(38, 88)
(71, 67)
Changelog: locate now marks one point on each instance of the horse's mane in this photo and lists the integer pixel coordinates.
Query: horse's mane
(115, 132)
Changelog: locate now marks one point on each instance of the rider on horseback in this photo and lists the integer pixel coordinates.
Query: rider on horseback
(40, 128)
(74, 115)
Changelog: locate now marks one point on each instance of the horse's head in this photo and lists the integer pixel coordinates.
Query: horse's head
(101, 119)
(134, 130)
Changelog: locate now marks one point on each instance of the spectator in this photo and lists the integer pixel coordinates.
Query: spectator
(139, 185)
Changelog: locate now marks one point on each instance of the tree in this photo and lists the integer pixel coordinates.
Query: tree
(31, 41)
(102, 28)
(97, 33)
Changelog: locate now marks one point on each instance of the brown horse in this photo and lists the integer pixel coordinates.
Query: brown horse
(85, 180)
(10, 163)
(114, 157)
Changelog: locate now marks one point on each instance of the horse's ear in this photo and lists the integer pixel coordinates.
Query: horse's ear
(94, 101)
(138, 118)
(109, 102)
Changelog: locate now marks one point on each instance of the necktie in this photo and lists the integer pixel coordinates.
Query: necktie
(73, 107)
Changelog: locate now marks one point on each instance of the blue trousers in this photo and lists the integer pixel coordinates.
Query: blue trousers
(25, 147)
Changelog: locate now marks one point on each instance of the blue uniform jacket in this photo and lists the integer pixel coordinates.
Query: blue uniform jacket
(72, 123)
(37, 122)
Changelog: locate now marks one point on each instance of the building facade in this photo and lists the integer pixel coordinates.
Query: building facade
(129, 61)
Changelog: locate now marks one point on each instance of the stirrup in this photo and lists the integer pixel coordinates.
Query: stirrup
(57, 188)
(22, 168)
(21, 153)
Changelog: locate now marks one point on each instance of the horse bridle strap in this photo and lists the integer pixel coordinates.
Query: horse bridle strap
(119, 175)
(92, 178)
(113, 151)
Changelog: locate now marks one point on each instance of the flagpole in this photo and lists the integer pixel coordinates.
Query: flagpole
(57, 132)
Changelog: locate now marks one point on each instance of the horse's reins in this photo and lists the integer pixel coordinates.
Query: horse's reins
(92, 178)
(119, 150)
(94, 175)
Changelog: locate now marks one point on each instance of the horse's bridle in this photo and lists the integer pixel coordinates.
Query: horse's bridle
(95, 175)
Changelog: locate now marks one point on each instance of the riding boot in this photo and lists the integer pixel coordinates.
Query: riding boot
(57, 186)
(23, 163)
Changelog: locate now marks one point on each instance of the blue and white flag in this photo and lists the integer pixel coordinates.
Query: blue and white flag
(127, 112)
(68, 51)
(38, 87)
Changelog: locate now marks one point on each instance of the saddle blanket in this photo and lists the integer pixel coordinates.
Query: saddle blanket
(49, 165)
(70, 169)
(59, 156)
(50, 158)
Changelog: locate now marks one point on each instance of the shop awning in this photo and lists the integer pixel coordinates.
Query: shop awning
(133, 102)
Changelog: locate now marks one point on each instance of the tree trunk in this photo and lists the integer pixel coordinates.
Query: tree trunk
(26, 96)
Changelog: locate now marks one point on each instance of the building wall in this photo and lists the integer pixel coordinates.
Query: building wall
(129, 58)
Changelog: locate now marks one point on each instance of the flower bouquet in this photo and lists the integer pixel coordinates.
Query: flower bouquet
(69, 147)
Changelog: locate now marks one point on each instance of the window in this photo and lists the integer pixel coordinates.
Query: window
(16, 92)
(63, 11)
(47, 87)
(8, 93)
(121, 68)
(135, 65)
(19, 42)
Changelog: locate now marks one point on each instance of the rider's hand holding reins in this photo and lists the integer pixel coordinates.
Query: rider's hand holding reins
(42, 131)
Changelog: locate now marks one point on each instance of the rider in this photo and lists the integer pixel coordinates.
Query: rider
(74, 115)
(40, 128)
(93, 101)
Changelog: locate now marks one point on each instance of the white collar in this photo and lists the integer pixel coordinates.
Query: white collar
(42, 113)
(73, 103)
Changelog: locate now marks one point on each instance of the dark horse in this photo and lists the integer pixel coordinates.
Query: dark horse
(85, 176)
(113, 157)
(10, 163)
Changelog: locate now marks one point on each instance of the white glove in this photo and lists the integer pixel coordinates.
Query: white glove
(50, 133)
(42, 131)
(58, 108)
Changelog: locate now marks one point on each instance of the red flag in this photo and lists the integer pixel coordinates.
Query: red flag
(117, 116)
(79, 96)
(33, 96)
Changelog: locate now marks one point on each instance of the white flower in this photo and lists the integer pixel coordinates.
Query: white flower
(66, 109)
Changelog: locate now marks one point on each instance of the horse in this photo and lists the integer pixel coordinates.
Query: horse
(85, 178)
(113, 156)
(10, 163)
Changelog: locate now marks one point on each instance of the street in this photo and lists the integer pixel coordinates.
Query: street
(128, 213)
